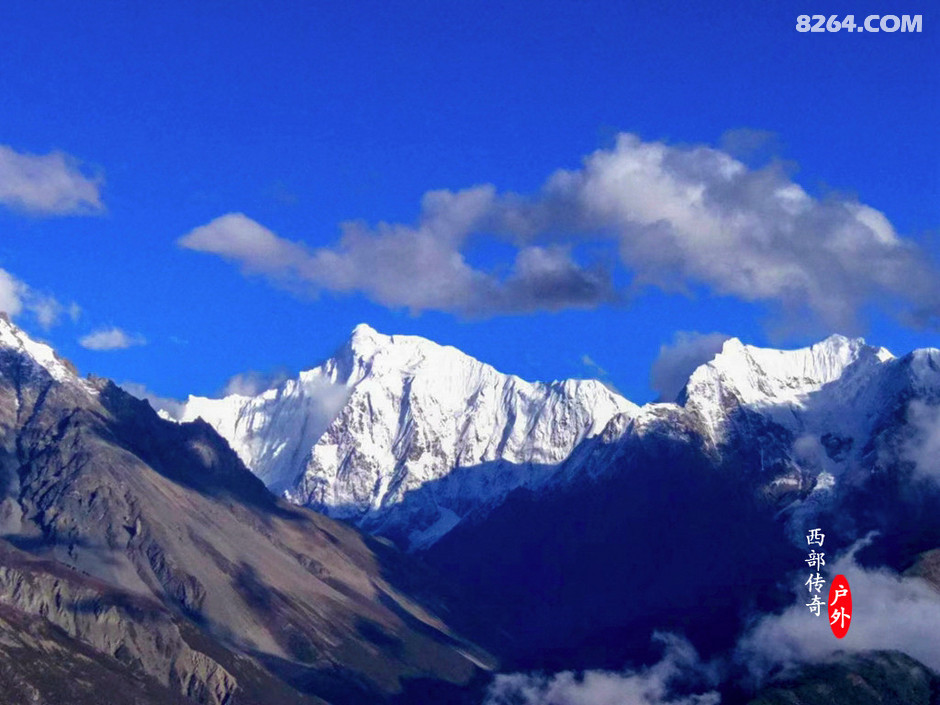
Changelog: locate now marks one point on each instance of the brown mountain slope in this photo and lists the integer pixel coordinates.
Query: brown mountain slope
(159, 549)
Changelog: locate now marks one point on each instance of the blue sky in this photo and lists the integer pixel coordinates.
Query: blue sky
(609, 175)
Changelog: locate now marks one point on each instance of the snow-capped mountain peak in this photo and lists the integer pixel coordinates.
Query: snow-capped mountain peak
(393, 415)
(779, 383)
(370, 353)
(15, 339)
(756, 375)
(408, 438)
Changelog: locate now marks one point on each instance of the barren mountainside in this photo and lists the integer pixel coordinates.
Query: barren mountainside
(147, 546)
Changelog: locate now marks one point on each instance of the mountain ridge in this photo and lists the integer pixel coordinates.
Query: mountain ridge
(403, 421)
(408, 438)
(151, 517)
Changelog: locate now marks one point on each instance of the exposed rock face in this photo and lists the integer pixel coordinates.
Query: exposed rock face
(153, 546)
(138, 632)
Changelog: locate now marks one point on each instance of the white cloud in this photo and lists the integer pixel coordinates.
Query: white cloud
(17, 297)
(12, 291)
(685, 216)
(418, 268)
(50, 184)
(888, 612)
(237, 237)
(650, 686)
(679, 359)
(680, 217)
(110, 339)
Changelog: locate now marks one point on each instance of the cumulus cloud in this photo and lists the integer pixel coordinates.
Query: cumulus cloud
(110, 339)
(17, 297)
(418, 268)
(650, 686)
(680, 217)
(679, 359)
(695, 215)
(49, 184)
(171, 408)
(889, 611)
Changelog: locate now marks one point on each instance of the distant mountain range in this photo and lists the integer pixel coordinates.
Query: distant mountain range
(409, 439)
(565, 490)
(546, 527)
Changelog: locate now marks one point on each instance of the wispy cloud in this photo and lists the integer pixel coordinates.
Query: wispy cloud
(47, 185)
(111, 339)
(591, 365)
(12, 291)
(650, 686)
(747, 142)
(680, 217)
(250, 384)
(679, 359)
(17, 297)
(596, 371)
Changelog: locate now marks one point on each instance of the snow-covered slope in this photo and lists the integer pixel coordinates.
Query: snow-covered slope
(783, 384)
(43, 356)
(408, 438)
(397, 432)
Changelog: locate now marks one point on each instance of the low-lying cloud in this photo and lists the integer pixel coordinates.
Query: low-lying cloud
(649, 686)
(250, 384)
(47, 184)
(679, 218)
(889, 611)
